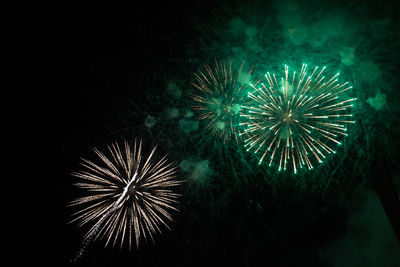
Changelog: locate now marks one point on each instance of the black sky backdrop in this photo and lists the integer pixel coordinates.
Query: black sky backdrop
(105, 69)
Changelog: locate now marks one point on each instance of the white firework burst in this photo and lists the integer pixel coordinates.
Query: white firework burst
(128, 196)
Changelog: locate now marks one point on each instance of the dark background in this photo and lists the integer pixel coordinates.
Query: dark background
(108, 70)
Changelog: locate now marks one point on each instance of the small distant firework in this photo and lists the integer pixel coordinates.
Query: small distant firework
(128, 196)
(220, 97)
(295, 120)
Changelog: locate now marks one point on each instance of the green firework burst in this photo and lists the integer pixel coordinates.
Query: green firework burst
(298, 119)
(221, 92)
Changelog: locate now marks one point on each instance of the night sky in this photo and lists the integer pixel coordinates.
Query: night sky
(113, 71)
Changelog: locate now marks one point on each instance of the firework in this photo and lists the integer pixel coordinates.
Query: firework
(221, 94)
(296, 120)
(128, 196)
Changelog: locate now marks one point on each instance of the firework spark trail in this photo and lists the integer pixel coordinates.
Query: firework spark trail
(297, 120)
(123, 204)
